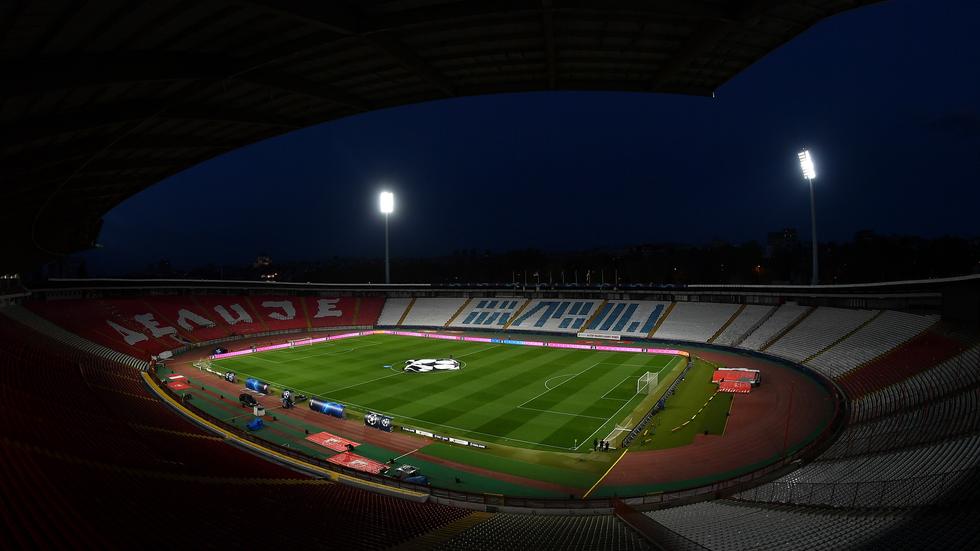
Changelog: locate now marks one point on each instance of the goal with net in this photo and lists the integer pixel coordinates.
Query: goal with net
(646, 383)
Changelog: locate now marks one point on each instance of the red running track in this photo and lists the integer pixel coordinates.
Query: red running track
(754, 432)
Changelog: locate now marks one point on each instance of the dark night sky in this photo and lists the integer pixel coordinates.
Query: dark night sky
(886, 97)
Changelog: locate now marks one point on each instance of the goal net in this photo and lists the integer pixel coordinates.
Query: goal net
(646, 383)
(301, 342)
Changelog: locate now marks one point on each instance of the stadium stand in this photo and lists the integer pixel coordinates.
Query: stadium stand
(561, 316)
(547, 532)
(730, 525)
(915, 355)
(140, 327)
(910, 477)
(102, 453)
(951, 376)
(784, 317)
(108, 322)
(489, 313)
(368, 310)
(818, 331)
(695, 321)
(880, 335)
(191, 318)
(393, 311)
(432, 312)
(952, 415)
(627, 318)
(45, 327)
(744, 323)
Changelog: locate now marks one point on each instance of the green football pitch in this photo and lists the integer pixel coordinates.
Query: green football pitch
(531, 397)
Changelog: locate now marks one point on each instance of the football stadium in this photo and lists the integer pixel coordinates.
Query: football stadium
(232, 413)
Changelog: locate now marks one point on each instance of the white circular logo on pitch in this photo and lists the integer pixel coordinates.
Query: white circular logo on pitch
(428, 365)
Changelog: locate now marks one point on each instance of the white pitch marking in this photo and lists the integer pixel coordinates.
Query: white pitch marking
(330, 353)
(604, 424)
(363, 383)
(562, 413)
(616, 412)
(556, 377)
(409, 453)
(421, 421)
(603, 397)
(477, 351)
(558, 385)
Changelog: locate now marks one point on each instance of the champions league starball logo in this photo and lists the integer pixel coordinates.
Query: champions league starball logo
(428, 365)
(378, 421)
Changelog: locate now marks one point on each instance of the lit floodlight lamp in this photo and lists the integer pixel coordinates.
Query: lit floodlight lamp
(387, 202)
(806, 164)
(810, 173)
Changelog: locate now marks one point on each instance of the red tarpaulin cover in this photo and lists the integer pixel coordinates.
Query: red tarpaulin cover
(331, 441)
(357, 462)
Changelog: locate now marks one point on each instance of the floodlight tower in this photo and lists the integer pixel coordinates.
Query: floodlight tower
(806, 164)
(387, 207)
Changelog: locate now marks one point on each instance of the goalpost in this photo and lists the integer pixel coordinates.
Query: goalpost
(647, 383)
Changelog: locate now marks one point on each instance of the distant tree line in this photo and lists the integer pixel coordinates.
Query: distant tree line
(784, 258)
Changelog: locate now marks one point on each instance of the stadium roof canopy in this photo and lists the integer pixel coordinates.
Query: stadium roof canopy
(102, 99)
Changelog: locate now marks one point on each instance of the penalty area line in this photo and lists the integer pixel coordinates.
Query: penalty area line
(562, 413)
(573, 375)
(616, 386)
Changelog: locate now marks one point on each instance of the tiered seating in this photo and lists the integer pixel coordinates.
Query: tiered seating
(905, 478)
(949, 377)
(943, 418)
(108, 323)
(204, 325)
(488, 313)
(45, 327)
(327, 312)
(882, 334)
(743, 323)
(113, 508)
(735, 386)
(392, 311)
(634, 318)
(820, 329)
(368, 312)
(695, 321)
(728, 525)
(99, 412)
(432, 312)
(783, 317)
(104, 471)
(150, 325)
(564, 316)
(544, 532)
(913, 357)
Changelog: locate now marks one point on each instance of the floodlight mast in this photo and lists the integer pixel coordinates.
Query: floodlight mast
(387, 203)
(810, 173)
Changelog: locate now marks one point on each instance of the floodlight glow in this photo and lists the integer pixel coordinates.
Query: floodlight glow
(387, 202)
(806, 163)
